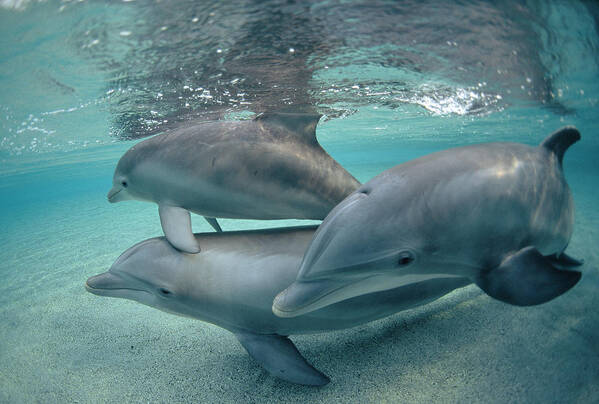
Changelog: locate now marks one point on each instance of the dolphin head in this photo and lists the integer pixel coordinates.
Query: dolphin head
(151, 273)
(131, 179)
(359, 248)
(122, 184)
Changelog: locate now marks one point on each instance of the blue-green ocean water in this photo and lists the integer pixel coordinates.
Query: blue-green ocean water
(81, 81)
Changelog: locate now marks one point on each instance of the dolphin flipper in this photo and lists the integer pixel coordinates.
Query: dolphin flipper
(527, 278)
(212, 221)
(176, 225)
(279, 356)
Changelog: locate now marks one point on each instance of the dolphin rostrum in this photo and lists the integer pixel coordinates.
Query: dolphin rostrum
(271, 167)
(500, 214)
(232, 282)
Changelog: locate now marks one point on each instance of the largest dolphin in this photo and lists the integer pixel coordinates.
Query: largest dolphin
(500, 214)
(271, 167)
(231, 283)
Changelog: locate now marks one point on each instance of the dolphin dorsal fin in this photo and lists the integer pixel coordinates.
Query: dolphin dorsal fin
(302, 124)
(559, 141)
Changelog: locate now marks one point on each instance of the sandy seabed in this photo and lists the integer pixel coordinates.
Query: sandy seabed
(60, 344)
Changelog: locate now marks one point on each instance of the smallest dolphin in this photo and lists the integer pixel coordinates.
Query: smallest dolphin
(271, 167)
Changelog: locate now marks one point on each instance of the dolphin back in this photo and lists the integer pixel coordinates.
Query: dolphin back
(559, 141)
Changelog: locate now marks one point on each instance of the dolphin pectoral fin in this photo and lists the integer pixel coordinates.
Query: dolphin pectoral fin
(564, 261)
(176, 225)
(279, 356)
(212, 221)
(527, 278)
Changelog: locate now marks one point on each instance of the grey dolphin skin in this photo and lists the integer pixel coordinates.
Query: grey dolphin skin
(271, 167)
(232, 282)
(500, 214)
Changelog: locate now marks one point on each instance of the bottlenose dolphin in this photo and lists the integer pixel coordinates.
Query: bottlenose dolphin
(271, 167)
(232, 282)
(500, 214)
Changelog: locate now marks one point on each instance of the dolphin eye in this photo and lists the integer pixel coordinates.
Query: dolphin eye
(405, 258)
(164, 292)
(124, 184)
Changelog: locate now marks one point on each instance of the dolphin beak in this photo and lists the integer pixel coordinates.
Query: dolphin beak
(112, 194)
(106, 281)
(303, 297)
(113, 285)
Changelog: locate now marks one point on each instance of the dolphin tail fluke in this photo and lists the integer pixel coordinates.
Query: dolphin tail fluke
(564, 261)
(279, 356)
(212, 221)
(527, 278)
(559, 141)
(176, 225)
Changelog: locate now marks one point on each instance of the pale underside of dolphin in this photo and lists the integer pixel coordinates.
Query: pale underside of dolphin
(271, 167)
(500, 214)
(232, 282)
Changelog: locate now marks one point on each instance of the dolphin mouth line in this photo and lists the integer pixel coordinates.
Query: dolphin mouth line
(94, 290)
(112, 194)
(289, 313)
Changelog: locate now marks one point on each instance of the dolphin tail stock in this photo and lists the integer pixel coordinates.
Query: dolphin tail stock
(279, 356)
(528, 278)
(212, 221)
(560, 140)
(176, 225)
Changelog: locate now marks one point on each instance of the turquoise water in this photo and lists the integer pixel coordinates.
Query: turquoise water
(81, 81)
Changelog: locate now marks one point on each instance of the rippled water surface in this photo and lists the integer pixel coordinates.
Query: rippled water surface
(81, 81)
